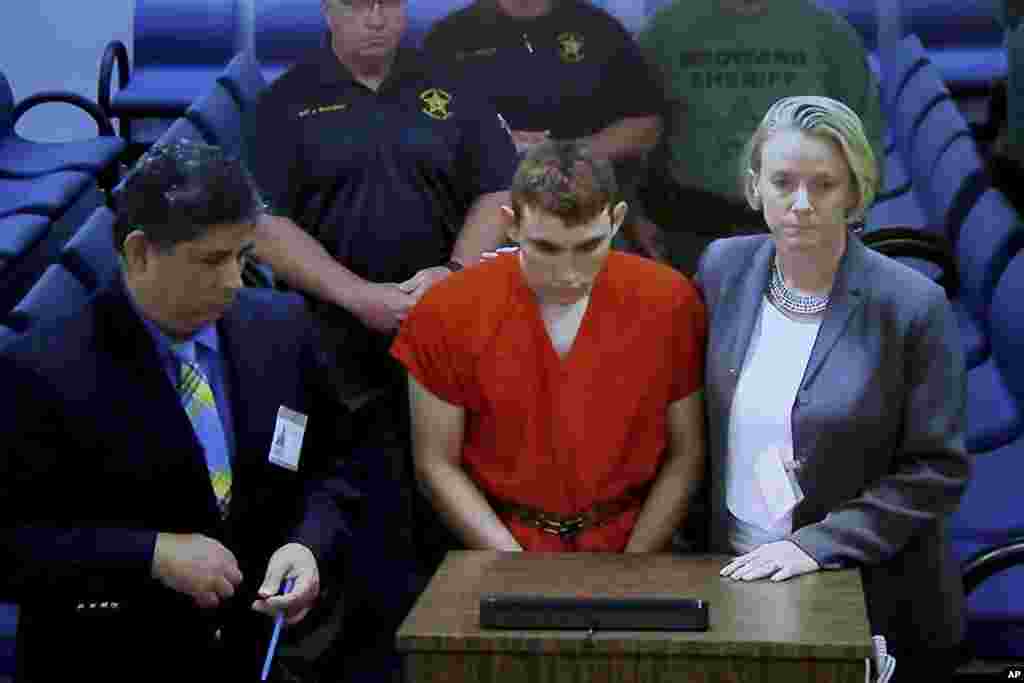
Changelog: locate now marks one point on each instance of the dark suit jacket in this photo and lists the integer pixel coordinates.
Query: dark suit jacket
(877, 425)
(98, 456)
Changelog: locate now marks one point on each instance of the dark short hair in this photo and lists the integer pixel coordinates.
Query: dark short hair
(564, 179)
(179, 189)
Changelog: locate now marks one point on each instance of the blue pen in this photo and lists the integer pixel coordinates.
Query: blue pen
(286, 587)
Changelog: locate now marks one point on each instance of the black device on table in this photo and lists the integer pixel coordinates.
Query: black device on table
(647, 612)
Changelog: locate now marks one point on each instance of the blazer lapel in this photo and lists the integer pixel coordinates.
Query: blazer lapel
(847, 297)
(122, 334)
(250, 391)
(743, 300)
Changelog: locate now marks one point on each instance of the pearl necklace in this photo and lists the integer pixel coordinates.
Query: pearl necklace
(793, 302)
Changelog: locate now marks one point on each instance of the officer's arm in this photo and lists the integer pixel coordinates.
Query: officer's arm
(437, 434)
(484, 229)
(628, 138)
(304, 264)
(666, 504)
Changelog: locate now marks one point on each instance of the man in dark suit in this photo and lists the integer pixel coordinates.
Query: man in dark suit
(168, 455)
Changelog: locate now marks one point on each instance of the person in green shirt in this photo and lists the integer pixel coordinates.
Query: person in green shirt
(722, 64)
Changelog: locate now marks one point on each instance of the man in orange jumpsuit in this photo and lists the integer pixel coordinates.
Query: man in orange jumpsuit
(556, 393)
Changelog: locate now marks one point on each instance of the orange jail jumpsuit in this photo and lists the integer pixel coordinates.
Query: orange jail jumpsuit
(560, 434)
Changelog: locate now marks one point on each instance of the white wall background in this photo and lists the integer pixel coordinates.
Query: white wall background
(57, 45)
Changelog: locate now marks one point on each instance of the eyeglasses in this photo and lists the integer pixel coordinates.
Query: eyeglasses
(367, 6)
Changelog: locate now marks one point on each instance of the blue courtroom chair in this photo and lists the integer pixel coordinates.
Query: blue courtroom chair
(955, 185)
(934, 131)
(899, 61)
(180, 46)
(966, 45)
(18, 235)
(48, 195)
(927, 252)
(994, 583)
(995, 389)
(244, 80)
(183, 129)
(990, 514)
(21, 158)
(27, 245)
(286, 31)
(91, 254)
(217, 115)
(994, 418)
(57, 294)
(990, 236)
(923, 91)
(970, 69)
(897, 204)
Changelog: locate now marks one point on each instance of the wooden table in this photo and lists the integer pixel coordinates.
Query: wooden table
(812, 628)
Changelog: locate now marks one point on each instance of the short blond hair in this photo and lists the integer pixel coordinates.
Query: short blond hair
(816, 116)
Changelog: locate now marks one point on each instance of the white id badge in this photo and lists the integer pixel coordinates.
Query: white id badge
(778, 492)
(286, 446)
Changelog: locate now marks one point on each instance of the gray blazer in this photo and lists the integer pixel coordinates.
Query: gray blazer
(878, 429)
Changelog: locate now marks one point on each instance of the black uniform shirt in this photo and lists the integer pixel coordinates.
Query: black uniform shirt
(572, 71)
(383, 179)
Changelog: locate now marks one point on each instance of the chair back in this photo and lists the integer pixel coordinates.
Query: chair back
(244, 80)
(285, 31)
(923, 91)
(991, 235)
(904, 242)
(218, 117)
(955, 185)
(6, 106)
(899, 61)
(185, 32)
(57, 294)
(91, 254)
(1006, 327)
(183, 129)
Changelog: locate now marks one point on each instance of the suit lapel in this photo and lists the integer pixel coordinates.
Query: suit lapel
(847, 297)
(744, 299)
(121, 333)
(249, 362)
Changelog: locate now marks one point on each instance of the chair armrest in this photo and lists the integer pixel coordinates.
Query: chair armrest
(908, 242)
(115, 54)
(894, 192)
(990, 562)
(85, 104)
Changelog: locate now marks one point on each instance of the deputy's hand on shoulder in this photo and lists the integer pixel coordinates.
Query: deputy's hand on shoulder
(290, 561)
(418, 284)
(780, 560)
(525, 139)
(197, 566)
(383, 306)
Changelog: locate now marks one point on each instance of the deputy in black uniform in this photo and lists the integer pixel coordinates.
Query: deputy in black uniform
(560, 69)
(383, 176)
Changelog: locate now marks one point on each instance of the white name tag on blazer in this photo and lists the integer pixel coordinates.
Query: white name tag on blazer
(286, 446)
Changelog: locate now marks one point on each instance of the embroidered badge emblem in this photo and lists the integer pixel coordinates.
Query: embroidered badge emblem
(435, 103)
(570, 47)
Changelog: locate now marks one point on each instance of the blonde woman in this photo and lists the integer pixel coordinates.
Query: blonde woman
(835, 391)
